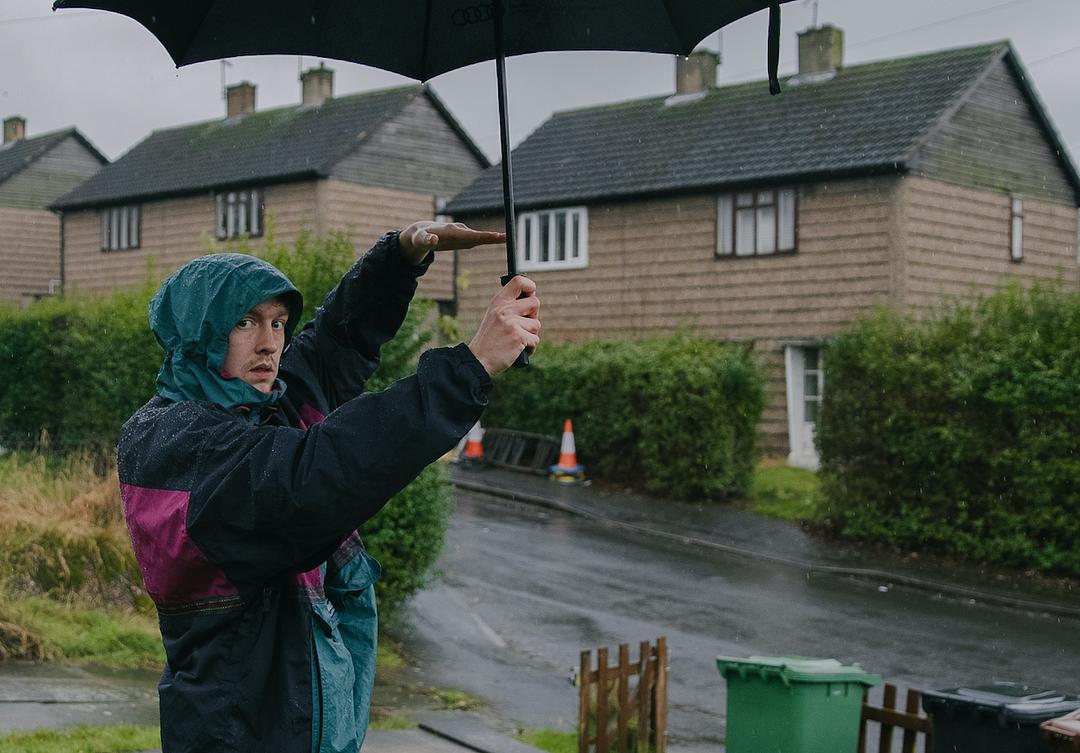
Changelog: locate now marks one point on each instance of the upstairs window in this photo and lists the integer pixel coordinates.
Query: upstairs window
(755, 223)
(120, 228)
(1016, 244)
(553, 239)
(239, 213)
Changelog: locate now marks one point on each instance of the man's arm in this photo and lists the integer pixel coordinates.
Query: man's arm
(269, 501)
(338, 351)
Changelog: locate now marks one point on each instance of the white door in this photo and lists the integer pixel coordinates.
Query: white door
(805, 383)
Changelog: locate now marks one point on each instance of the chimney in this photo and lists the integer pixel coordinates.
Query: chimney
(239, 99)
(696, 72)
(14, 129)
(821, 50)
(317, 85)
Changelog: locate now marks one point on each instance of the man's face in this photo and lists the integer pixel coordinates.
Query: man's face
(255, 345)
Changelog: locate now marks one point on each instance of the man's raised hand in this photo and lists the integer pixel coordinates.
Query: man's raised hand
(425, 236)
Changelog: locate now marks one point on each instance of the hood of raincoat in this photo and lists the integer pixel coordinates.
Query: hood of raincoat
(193, 313)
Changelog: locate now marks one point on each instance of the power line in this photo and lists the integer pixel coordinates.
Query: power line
(914, 29)
(941, 22)
(1048, 58)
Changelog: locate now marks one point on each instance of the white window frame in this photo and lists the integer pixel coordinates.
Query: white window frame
(529, 253)
(121, 228)
(1016, 229)
(238, 213)
(755, 202)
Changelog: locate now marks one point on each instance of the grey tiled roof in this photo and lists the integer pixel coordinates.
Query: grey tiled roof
(264, 146)
(19, 154)
(867, 117)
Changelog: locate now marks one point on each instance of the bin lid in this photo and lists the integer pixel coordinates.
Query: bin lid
(790, 669)
(1012, 701)
(1066, 726)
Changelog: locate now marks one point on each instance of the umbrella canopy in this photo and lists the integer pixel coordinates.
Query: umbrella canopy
(422, 38)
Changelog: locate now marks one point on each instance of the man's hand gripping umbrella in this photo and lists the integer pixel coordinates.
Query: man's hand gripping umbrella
(511, 323)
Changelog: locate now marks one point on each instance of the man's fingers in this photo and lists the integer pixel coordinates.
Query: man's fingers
(529, 324)
(516, 287)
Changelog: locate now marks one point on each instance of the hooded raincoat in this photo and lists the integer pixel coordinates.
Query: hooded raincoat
(243, 507)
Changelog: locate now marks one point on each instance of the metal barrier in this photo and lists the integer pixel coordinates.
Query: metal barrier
(520, 450)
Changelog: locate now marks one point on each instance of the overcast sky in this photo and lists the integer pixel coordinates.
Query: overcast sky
(109, 77)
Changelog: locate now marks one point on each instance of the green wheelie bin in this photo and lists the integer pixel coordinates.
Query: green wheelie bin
(793, 704)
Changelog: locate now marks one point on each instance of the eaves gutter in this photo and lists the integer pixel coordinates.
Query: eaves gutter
(898, 167)
(110, 201)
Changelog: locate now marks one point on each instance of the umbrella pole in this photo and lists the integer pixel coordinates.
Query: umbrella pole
(507, 165)
(504, 137)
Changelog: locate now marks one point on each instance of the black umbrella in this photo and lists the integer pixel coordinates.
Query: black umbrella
(424, 38)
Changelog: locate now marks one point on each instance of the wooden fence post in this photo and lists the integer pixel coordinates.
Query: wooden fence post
(660, 719)
(583, 701)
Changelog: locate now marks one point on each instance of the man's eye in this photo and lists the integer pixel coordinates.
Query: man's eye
(279, 324)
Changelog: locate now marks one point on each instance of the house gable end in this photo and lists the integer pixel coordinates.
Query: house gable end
(999, 137)
(52, 173)
(419, 149)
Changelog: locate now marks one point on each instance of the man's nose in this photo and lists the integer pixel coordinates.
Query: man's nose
(268, 340)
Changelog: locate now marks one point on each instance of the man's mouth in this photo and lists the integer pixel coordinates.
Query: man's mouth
(263, 370)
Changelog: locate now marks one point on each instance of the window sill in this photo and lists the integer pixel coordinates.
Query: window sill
(556, 267)
(735, 257)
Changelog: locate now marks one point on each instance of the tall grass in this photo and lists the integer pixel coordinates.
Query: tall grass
(69, 585)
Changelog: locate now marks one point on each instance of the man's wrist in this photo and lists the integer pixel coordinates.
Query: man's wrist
(412, 255)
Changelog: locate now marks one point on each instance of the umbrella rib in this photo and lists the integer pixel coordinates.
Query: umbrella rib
(424, 46)
(207, 4)
(671, 22)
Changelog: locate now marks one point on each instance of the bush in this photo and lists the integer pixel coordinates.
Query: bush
(959, 434)
(677, 417)
(407, 536)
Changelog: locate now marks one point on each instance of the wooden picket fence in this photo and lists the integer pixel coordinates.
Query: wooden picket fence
(617, 715)
(889, 719)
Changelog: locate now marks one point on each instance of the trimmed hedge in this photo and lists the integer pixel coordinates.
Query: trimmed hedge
(960, 434)
(73, 369)
(677, 417)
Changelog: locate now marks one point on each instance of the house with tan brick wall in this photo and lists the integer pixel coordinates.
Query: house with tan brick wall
(34, 172)
(363, 164)
(778, 221)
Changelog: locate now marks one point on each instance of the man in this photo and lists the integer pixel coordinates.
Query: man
(245, 477)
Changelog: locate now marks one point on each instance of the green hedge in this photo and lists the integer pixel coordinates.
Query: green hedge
(960, 434)
(677, 417)
(73, 369)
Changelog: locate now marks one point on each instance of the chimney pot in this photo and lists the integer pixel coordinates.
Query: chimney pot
(317, 85)
(239, 99)
(821, 50)
(696, 72)
(14, 129)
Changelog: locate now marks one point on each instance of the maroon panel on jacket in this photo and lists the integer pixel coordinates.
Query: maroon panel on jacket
(173, 568)
(309, 416)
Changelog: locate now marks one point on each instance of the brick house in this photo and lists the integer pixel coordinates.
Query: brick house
(34, 172)
(363, 163)
(780, 220)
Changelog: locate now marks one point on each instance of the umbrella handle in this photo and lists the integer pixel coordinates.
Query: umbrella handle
(523, 356)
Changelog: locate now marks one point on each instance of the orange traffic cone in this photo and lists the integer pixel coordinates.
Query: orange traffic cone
(474, 445)
(567, 469)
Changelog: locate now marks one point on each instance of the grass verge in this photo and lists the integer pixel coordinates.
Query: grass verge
(62, 632)
(119, 738)
(780, 491)
(551, 740)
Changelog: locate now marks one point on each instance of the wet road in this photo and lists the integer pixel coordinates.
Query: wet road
(524, 590)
